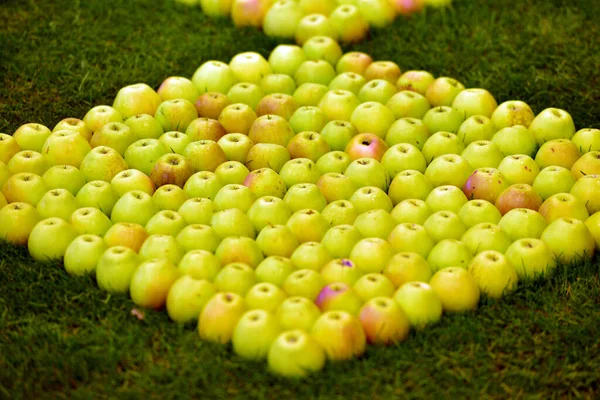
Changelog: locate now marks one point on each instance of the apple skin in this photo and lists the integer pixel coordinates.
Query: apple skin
(18, 220)
(442, 91)
(307, 225)
(377, 90)
(477, 211)
(552, 123)
(375, 224)
(271, 128)
(338, 104)
(126, 234)
(268, 210)
(136, 99)
(220, 316)
(476, 127)
(512, 112)
(441, 142)
(475, 102)
(235, 278)
(413, 80)
(587, 139)
(314, 24)
(99, 116)
(339, 296)
(531, 258)
(354, 61)
(335, 161)
(456, 289)
(115, 135)
(519, 195)
(494, 273)
(234, 196)
(299, 170)
(314, 71)
(187, 297)
(323, 48)
(368, 172)
(349, 23)
(200, 264)
(521, 223)
(415, 211)
(308, 118)
(8, 147)
(90, 220)
(552, 180)
(519, 168)
(197, 210)
(449, 253)
(447, 197)
(198, 237)
(54, 230)
(448, 169)
(214, 76)
(309, 145)
(265, 182)
(370, 198)
(569, 239)
(144, 126)
(340, 212)
(384, 321)
(210, 104)
(202, 184)
(73, 124)
(587, 189)
(341, 270)
(83, 253)
(304, 283)
(254, 333)
(385, 70)
(232, 222)
(116, 268)
(159, 246)
(297, 313)
(31, 136)
(102, 163)
(444, 225)
(310, 255)
(5, 174)
(485, 184)
(515, 140)
(372, 117)
(349, 81)
(274, 270)
(340, 334)
(339, 240)
(420, 303)
(24, 187)
(370, 286)
(409, 184)
(205, 129)
(132, 179)
(239, 249)
(593, 224)
(406, 267)
(563, 205)
(28, 161)
(295, 354)
(265, 296)
(177, 87)
(411, 237)
(482, 154)
(367, 145)
(486, 236)
(57, 203)
(232, 172)
(165, 222)
(134, 206)
(558, 152)
(169, 197)
(588, 164)
(280, 104)
(69, 147)
(309, 94)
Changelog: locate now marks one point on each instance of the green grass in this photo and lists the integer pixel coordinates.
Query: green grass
(61, 337)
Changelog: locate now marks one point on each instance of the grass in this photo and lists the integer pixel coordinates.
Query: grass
(61, 337)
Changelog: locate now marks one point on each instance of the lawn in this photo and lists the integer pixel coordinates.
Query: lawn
(61, 337)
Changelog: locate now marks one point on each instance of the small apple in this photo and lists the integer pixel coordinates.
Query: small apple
(494, 273)
(531, 258)
(309, 94)
(354, 61)
(304, 283)
(552, 123)
(297, 313)
(521, 223)
(340, 334)
(99, 116)
(295, 354)
(115, 269)
(368, 145)
(449, 253)
(246, 93)
(18, 220)
(552, 180)
(335, 161)
(83, 253)
(144, 126)
(90, 220)
(349, 23)
(420, 303)
(115, 135)
(239, 249)
(519, 195)
(307, 225)
(588, 164)
(486, 236)
(232, 222)
(220, 316)
(286, 58)
(210, 104)
(456, 288)
(214, 76)
(586, 189)
(376, 90)
(265, 296)
(373, 285)
(200, 264)
(372, 117)
(475, 102)
(407, 130)
(477, 211)
(485, 184)
(515, 139)
(134, 206)
(322, 48)
(511, 113)
(58, 203)
(31, 136)
(443, 91)
(519, 168)
(587, 139)
(413, 80)
(341, 270)
(68, 147)
(415, 211)
(299, 170)
(102, 164)
(49, 239)
(268, 210)
(28, 161)
(24, 187)
(187, 297)
(254, 333)
(136, 99)
(448, 169)
(483, 154)
(340, 240)
(476, 127)
(411, 237)
(407, 266)
(235, 278)
(569, 239)
(338, 104)
(274, 269)
(312, 25)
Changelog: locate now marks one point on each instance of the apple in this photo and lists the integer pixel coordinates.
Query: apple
(354, 61)
(340, 212)
(519, 168)
(384, 321)
(483, 154)
(49, 239)
(407, 104)
(322, 48)
(368, 172)
(267, 155)
(307, 225)
(378, 13)
(73, 124)
(588, 164)
(205, 129)
(309, 94)
(519, 195)
(476, 127)
(175, 141)
(102, 164)
(349, 23)
(449, 253)
(237, 118)
(442, 91)
(448, 169)
(220, 316)
(250, 67)
(115, 135)
(254, 334)
(28, 161)
(4, 174)
(297, 313)
(136, 99)
(214, 76)
(446, 197)
(177, 87)
(386, 70)
(552, 123)
(286, 58)
(204, 155)
(335, 161)
(349, 81)
(376, 90)
(420, 304)
(236, 146)
(486, 236)
(18, 220)
(563, 205)
(521, 223)
(441, 143)
(372, 254)
(558, 152)
(475, 102)
(494, 273)
(197, 210)
(239, 249)
(246, 93)
(232, 172)
(99, 116)
(232, 222)
(265, 182)
(68, 147)
(340, 334)
(340, 240)
(587, 139)
(456, 288)
(210, 104)
(515, 139)
(531, 258)
(83, 253)
(511, 113)
(372, 117)
(162, 246)
(268, 210)
(314, 71)
(593, 224)
(8, 147)
(274, 270)
(166, 222)
(134, 206)
(144, 126)
(415, 211)
(308, 118)
(216, 8)
(98, 194)
(90, 220)
(31, 136)
(143, 154)
(341, 270)
(314, 25)
(203, 184)
(444, 225)
(175, 114)
(373, 285)
(552, 180)
(477, 211)
(413, 80)
(304, 195)
(409, 184)
(369, 145)
(299, 170)
(265, 296)
(24, 187)
(198, 237)
(234, 196)
(295, 354)
(187, 297)
(407, 266)
(58, 203)
(115, 269)
(338, 104)
(271, 128)
(235, 278)
(335, 186)
(132, 179)
(318, 6)
(169, 197)
(485, 184)
(339, 296)
(375, 223)
(304, 283)
(586, 189)
(200, 264)
(569, 239)
(126, 234)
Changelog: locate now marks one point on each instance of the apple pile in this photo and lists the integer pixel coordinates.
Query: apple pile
(347, 21)
(303, 206)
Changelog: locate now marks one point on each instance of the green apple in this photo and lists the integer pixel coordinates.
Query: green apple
(64, 177)
(165, 222)
(314, 25)
(340, 334)
(28, 161)
(414, 80)
(386, 70)
(349, 81)
(420, 303)
(304, 283)
(407, 130)
(220, 316)
(482, 154)
(18, 220)
(177, 87)
(456, 288)
(134, 206)
(409, 184)
(271, 128)
(235, 278)
(265, 296)
(246, 93)
(519, 168)
(115, 269)
(126, 234)
(494, 273)
(322, 48)
(200, 264)
(340, 212)
(267, 155)
(511, 113)
(205, 129)
(531, 258)
(587, 139)
(254, 333)
(268, 210)
(90, 220)
(197, 210)
(277, 240)
(234, 196)
(210, 104)
(232, 172)
(161, 246)
(73, 124)
(334, 161)
(169, 197)
(515, 139)
(335, 186)
(341, 270)
(563, 205)
(593, 224)
(339, 104)
(204, 155)
(384, 321)
(372, 117)
(444, 225)
(475, 102)
(175, 141)
(239, 249)
(297, 313)
(449, 253)
(286, 58)
(415, 211)
(552, 123)
(443, 91)
(519, 195)
(309, 94)
(198, 237)
(354, 61)
(411, 237)
(49, 239)
(265, 182)
(586, 189)
(102, 163)
(304, 195)
(295, 354)
(69, 147)
(58, 203)
(485, 236)
(232, 222)
(8, 147)
(274, 270)
(588, 164)
(99, 116)
(521, 223)
(249, 67)
(339, 296)
(202, 184)
(132, 179)
(368, 172)
(408, 104)
(441, 143)
(340, 240)
(448, 169)
(349, 23)
(83, 253)
(569, 239)
(552, 180)
(214, 76)
(558, 152)
(31, 136)
(136, 99)
(373, 285)
(187, 297)
(476, 127)
(115, 135)
(448, 197)
(477, 211)
(307, 225)
(372, 254)
(376, 90)
(299, 170)
(144, 126)
(308, 118)
(407, 266)
(375, 224)
(24, 187)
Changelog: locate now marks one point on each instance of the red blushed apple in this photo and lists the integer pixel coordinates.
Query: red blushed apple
(519, 195)
(366, 145)
(485, 184)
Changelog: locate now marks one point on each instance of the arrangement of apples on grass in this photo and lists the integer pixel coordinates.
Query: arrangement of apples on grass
(346, 21)
(307, 205)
